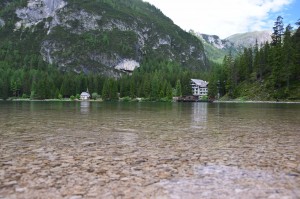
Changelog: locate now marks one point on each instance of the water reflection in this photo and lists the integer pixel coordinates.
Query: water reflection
(84, 107)
(199, 115)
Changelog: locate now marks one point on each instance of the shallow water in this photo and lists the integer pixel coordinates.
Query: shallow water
(149, 150)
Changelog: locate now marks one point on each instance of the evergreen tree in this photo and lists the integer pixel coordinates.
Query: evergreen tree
(113, 90)
(229, 64)
(212, 86)
(65, 87)
(13, 88)
(162, 90)
(147, 87)
(41, 90)
(106, 90)
(277, 75)
(169, 93)
(266, 59)
(132, 89)
(296, 42)
(289, 55)
(185, 84)
(155, 87)
(298, 22)
(278, 31)
(257, 62)
(26, 86)
(178, 88)
(5, 87)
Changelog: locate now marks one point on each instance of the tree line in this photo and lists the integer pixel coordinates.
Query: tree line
(154, 80)
(264, 71)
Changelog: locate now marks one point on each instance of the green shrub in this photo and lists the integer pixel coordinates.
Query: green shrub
(95, 96)
(32, 95)
(126, 99)
(165, 99)
(204, 98)
(60, 96)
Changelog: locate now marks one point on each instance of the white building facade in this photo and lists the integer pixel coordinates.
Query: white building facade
(199, 87)
(85, 96)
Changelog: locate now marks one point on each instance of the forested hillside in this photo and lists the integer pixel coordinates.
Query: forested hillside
(129, 49)
(50, 49)
(103, 36)
(267, 72)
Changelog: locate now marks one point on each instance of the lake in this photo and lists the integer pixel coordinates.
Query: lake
(149, 150)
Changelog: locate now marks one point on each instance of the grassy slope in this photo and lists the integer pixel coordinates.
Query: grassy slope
(260, 92)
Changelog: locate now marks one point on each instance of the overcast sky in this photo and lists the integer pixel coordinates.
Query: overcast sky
(227, 17)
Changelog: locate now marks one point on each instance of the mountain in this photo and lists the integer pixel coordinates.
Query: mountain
(249, 39)
(216, 48)
(215, 41)
(102, 36)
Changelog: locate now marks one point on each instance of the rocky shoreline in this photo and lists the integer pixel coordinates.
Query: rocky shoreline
(141, 100)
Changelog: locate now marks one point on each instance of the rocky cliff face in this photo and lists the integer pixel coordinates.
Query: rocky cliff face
(215, 41)
(38, 10)
(105, 37)
(2, 23)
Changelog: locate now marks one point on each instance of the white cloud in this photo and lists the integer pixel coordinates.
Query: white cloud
(221, 17)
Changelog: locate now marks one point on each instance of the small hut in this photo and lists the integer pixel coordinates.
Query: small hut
(85, 95)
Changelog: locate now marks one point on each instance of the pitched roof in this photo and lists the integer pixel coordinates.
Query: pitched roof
(200, 82)
(85, 94)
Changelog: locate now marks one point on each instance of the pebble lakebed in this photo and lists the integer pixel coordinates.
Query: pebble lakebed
(147, 161)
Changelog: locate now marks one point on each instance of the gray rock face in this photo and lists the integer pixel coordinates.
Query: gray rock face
(57, 13)
(37, 10)
(162, 40)
(48, 50)
(2, 23)
(215, 41)
(85, 20)
(127, 65)
(105, 59)
(51, 52)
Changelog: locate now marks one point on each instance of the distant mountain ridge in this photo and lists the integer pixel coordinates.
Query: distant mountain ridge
(216, 48)
(249, 39)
